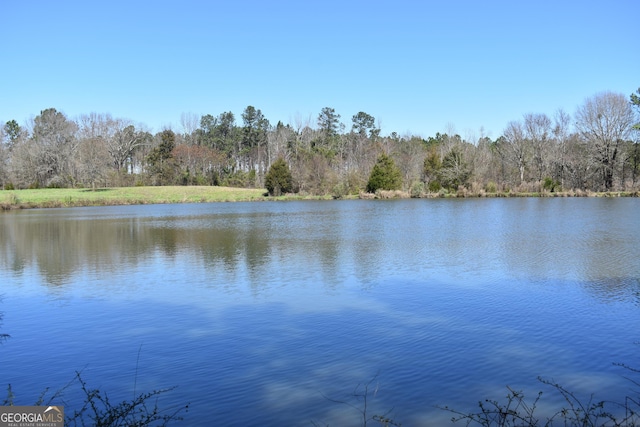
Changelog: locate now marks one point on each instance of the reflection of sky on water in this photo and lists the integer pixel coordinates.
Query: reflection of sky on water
(258, 315)
(262, 361)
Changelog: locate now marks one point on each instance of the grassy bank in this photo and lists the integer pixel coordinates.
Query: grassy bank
(70, 197)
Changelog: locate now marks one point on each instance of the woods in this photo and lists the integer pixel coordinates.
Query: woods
(595, 149)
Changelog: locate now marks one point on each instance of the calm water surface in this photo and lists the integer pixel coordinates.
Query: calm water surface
(262, 312)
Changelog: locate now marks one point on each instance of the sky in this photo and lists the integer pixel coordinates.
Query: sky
(418, 67)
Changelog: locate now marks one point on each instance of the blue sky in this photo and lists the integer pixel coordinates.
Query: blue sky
(419, 67)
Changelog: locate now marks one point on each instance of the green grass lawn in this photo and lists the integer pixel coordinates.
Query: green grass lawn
(66, 197)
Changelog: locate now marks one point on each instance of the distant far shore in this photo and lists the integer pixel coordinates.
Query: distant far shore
(77, 197)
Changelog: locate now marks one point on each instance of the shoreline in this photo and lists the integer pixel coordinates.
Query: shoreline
(120, 196)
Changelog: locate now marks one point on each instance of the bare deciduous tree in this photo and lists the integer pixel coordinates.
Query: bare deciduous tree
(124, 142)
(93, 159)
(517, 146)
(190, 123)
(409, 157)
(605, 121)
(560, 132)
(278, 141)
(538, 130)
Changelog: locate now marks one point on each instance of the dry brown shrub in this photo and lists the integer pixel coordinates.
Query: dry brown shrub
(392, 194)
(462, 192)
(477, 188)
(366, 196)
(529, 187)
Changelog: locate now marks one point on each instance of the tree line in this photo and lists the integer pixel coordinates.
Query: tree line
(596, 149)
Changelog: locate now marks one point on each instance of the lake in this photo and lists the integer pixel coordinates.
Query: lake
(266, 313)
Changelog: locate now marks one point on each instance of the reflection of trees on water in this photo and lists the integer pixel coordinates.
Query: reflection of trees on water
(61, 247)
(355, 241)
(232, 247)
(616, 289)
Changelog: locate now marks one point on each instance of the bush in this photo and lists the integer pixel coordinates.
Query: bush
(550, 184)
(252, 178)
(491, 187)
(99, 411)
(278, 180)
(462, 191)
(240, 179)
(339, 191)
(517, 411)
(143, 410)
(417, 190)
(434, 186)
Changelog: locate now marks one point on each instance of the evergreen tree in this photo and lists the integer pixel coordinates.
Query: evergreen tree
(278, 180)
(160, 165)
(432, 165)
(384, 176)
(635, 102)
